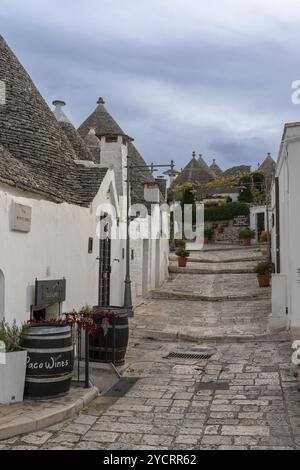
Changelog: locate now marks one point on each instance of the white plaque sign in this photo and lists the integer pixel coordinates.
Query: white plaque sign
(21, 218)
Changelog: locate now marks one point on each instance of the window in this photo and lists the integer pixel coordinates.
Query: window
(111, 139)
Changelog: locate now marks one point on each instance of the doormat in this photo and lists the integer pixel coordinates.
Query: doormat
(121, 387)
(211, 386)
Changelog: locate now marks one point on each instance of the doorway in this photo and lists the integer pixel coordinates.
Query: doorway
(260, 224)
(2, 294)
(104, 272)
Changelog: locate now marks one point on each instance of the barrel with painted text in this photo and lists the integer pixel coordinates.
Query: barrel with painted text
(50, 360)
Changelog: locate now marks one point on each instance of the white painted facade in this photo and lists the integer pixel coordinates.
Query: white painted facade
(255, 211)
(55, 248)
(288, 174)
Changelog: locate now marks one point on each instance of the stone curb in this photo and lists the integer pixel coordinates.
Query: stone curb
(28, 424)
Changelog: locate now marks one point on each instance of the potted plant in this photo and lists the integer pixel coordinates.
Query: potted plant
(181, 243)
(208, 234)
(246, 235)
(264, 271)
(12, 363)
(183, 256)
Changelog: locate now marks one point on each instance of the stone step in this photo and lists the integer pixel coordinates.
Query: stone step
(173, 258)
(179, 295)
(190, 270)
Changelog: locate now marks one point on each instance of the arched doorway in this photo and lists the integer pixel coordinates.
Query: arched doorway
(2, 293)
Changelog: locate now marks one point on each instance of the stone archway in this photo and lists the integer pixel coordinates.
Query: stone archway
(2, 295)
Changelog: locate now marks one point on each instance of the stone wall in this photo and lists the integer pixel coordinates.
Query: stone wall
(224, 231)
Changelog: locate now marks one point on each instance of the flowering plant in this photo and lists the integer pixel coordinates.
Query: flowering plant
(92, 319)
(11, 336)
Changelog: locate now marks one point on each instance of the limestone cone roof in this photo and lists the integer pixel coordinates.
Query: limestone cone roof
(78, 144)
(205, 166)
(33, 140)
(237, 170)
(215, 168)
(194, 172)
(268, 166)
(103, 123)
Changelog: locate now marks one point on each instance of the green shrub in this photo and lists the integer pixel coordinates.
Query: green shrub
(180, 243)
(226, 211)
(266, 267)
(247, 234)
(208, 233)
(183, 253)
(265, 236)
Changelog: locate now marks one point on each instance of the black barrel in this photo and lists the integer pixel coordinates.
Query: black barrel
(102, 347)
(50, 360)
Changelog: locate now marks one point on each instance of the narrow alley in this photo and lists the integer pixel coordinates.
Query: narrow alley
(203, 371)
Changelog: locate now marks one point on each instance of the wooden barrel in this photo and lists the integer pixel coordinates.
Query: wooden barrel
(101, 347)
(50, 360)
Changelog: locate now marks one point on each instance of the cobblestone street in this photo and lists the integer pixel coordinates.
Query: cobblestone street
(245, 396)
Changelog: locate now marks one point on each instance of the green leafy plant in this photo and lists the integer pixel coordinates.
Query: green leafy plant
(225, 212)
(180, 243)
(265, 236)
(247, 234)
(264, 268)
(183, 254)
(208, 233)
(11, 335)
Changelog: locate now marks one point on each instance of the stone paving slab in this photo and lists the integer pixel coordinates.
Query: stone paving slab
(31, 415)
(212, 287)
(214, 268)
(165, 409)
(165, 319)
(229, 256)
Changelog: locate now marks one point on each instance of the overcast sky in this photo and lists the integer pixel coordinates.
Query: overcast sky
(178, 75)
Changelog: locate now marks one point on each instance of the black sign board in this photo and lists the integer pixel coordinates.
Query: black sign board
(241, 221)
(50, 292)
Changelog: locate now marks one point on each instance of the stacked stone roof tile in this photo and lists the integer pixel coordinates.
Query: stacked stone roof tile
(33, 141)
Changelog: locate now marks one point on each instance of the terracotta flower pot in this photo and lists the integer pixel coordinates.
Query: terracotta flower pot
(264, 280)
(246, 242)
(206, 239)
(182, 262)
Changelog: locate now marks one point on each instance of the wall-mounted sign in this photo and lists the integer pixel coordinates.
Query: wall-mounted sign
(50, 292)
(241, 221)
(21, 218)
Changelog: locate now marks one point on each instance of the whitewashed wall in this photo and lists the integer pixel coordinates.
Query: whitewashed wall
(288, 172)
(56, 247)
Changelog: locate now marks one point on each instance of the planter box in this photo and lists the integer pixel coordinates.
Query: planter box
(12, 376)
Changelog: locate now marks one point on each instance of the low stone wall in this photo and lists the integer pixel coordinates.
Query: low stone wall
(224, 231)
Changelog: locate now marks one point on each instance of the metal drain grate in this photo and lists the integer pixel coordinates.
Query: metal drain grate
(189, 355)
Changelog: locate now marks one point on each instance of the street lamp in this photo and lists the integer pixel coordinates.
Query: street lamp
(153, 167)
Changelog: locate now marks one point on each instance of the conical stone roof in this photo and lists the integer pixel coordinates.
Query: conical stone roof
(205, 166)
(32, 139)
(78, 144)
(194, 172)
(103, 123)
(268, 166)
(215, 168)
